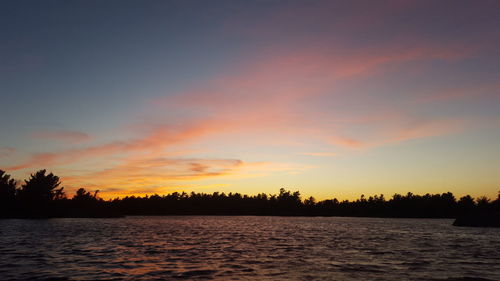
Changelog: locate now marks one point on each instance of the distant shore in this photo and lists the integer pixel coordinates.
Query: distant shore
(41, 196)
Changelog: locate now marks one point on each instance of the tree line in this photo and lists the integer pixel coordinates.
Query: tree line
(42, 196)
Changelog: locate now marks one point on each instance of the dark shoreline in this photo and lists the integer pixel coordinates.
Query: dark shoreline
(41, 196)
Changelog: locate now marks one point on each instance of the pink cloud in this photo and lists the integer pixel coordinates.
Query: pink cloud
(154, 143)
(278, 79)
(63, 135)
(265, 98)
(345, 142)
(268, 95)
(7, 151)
(460, 92)
(36, 160)
(426, 129)
(407, 128)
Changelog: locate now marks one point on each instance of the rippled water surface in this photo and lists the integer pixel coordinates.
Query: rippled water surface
(243, 248)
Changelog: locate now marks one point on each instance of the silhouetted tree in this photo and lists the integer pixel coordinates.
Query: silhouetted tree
(7, 194)
(41, 188)
(483, 202)
(83, 196)
(496, 203)
(41, 196)
(311, 201)
(465, 204)
(7, 188)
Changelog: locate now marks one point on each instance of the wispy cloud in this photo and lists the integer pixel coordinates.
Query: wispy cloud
(142, 176)
(466, 91)
(279, 94)
(259, 99)
(62, 135)
(271, 94)
(7, 151)
(320, 154)
(150, 175)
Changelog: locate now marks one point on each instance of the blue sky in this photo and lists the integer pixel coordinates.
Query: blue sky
(335, 98)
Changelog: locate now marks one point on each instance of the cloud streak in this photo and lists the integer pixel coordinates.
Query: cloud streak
(305, 91)
(64, 136)
(319, 154)
(154, 143)
(7, 151)
(256, 100)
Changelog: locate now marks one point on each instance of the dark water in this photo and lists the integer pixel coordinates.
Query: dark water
(247, 248)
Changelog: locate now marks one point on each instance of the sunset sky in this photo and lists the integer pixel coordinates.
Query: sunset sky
(332, 98)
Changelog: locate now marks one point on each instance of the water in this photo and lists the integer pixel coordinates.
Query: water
(247, 248)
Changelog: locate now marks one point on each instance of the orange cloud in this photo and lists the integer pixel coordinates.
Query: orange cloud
(140, 176)
(266, 98)
(345, 141)
(156, 142)
(263, 96)
(38, 159)
(147, 176)
(320, 154)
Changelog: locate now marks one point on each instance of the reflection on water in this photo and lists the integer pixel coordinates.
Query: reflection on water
(257, 248)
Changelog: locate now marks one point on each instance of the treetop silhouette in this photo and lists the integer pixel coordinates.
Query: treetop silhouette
(41, 188)
(42, 196)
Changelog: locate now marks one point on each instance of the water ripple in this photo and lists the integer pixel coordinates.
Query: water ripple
(246, 248)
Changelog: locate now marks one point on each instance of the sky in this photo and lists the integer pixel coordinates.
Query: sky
(331, 98)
